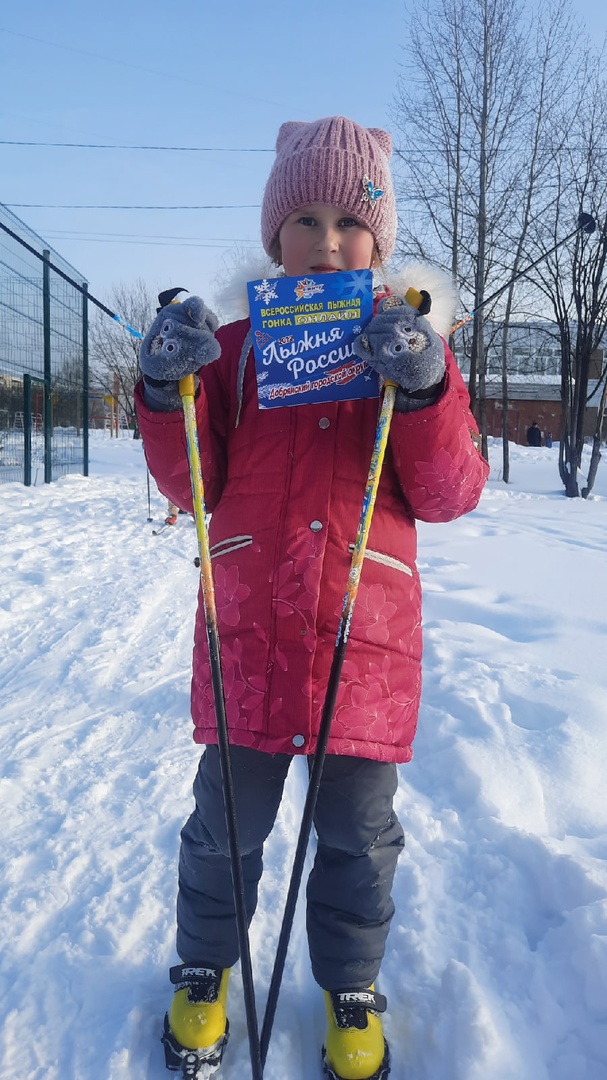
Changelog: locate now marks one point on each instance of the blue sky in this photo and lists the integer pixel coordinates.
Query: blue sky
(210, 75)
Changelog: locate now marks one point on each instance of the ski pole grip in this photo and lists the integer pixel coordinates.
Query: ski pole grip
(187, 386)
(413, 297)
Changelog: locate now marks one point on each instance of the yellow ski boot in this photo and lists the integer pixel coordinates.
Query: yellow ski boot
(355, 1048)
(196, 1027)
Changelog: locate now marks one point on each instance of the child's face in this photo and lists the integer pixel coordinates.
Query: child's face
(321, 239)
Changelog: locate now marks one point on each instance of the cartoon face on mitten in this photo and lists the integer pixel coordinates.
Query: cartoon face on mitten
(401, 346)
(180, 341)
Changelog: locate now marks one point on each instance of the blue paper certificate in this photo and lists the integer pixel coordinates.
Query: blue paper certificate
(303, 332)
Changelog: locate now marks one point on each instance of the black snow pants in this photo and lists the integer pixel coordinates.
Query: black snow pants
(349, 902)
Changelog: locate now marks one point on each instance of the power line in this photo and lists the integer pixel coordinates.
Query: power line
(178, 242)
(107, 206)
(164, 70)
(91, 234)
(514, 148)
(120, 146)
(82, 288)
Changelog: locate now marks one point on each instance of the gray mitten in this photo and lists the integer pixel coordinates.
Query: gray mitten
(402, 347)
(180, 341)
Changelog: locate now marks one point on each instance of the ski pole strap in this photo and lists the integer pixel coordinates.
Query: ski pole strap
(350, 1007)
(202, 982)
(184, 974)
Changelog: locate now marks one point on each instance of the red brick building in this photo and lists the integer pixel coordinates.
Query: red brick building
(534, 385)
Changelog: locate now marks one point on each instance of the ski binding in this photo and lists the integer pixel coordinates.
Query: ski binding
(192, 1064)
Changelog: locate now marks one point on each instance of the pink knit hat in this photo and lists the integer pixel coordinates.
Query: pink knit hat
(337, 162)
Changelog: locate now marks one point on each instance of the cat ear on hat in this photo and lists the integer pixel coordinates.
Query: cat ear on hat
(287, 130)
(383, 138)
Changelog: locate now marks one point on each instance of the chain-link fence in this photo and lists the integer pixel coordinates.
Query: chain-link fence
(43, 359)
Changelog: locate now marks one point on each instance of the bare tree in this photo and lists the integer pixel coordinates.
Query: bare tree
(114, 353)
(460, 156)
(66, 393)
(573, 279)
(548, 80)
(434, 157)
(488, 154)
(598, 436)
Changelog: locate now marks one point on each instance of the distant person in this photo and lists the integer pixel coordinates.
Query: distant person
(172, 511)
(548, 440)
(534, 435)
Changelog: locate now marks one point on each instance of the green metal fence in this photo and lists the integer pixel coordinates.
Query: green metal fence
(43, 359)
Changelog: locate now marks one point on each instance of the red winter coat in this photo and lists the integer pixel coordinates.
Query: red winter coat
(285, 489)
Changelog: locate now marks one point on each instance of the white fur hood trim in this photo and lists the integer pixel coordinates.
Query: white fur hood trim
(439, 284)
(232, 301)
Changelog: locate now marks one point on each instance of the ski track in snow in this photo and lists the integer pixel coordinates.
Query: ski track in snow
(497, 960)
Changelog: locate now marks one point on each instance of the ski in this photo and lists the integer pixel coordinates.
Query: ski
(169, 523)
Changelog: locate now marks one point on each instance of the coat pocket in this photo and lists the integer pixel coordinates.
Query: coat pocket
(385, 560)
(231, 543)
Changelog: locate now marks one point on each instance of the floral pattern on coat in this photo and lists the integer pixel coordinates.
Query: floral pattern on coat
(297, 582)
(293, 479)
(229, 594)
(440, 482)
(368, 706)
(372, 614)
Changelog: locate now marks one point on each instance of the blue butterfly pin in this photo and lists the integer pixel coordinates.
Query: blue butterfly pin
(370, 193)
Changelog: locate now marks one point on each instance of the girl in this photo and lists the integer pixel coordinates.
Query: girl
(285, 486)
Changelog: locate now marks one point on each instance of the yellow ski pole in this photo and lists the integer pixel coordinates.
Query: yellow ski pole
(187, 389)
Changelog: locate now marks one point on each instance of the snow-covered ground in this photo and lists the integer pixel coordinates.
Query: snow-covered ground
(497, 959)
